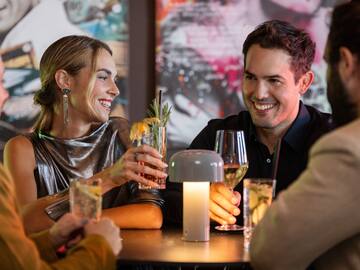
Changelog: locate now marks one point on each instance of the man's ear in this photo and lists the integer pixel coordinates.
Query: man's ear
(305, 82)
(62, 79)
(347, 64)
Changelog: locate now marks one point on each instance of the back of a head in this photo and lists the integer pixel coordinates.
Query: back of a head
(344, 30)
(282, 35)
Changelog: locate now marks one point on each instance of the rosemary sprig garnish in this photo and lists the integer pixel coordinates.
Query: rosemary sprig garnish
(154, 111)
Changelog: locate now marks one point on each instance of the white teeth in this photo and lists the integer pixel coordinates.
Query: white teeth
(264, 107)
(106, 104)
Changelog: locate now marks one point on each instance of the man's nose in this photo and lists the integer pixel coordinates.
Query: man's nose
(261, 90)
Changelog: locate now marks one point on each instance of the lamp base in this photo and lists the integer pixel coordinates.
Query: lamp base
(196, 222)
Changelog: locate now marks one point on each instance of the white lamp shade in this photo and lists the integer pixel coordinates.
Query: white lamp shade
(196, 166)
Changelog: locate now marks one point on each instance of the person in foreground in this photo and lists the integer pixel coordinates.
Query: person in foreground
(97, 250)
(75, 138)
(277, 71)
(315, 221)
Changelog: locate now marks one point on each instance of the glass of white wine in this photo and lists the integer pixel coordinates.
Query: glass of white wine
(230, 145)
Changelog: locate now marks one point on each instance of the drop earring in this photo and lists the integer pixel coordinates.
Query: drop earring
(66, 93)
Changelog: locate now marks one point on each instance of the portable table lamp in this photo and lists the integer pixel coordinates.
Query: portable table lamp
(196, 169)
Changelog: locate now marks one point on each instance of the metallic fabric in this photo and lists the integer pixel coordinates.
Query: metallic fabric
(59, 160)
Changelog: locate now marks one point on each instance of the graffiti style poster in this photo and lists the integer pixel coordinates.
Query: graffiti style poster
(199, 57)
(28, 27)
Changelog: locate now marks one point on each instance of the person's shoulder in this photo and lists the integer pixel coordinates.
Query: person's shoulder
(345, 137)
(19, 147)
(320, 119)
(19, 142)
(348, 131)
(314, 111)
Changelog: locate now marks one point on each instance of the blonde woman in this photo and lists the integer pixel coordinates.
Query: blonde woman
(75, 138)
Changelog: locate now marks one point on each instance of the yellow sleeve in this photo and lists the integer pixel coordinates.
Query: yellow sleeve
(91, 253)
(44, 246)
(19, 252)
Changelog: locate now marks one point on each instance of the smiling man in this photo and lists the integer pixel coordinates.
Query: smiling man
(278, 60)
(315, 221)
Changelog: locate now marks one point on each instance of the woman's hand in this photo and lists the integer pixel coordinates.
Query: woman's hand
(135, 163)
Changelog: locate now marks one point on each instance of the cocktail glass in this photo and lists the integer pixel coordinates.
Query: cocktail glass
(258, 195)
(86, 198)
(156, 138)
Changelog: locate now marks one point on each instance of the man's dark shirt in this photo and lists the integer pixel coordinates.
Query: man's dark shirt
(308, 126)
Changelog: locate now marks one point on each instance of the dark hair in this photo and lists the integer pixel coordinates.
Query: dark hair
(277, 34)
(344, 30)
(70, 53)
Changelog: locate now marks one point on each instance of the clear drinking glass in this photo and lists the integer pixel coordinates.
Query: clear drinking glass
(86, 198)
(157, 139)
(258, 195)
(230, 144)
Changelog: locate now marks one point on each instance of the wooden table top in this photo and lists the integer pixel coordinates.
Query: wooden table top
(167, 247)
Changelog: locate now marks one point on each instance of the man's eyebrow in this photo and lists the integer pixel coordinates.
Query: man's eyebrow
(248, 73)
(275, 76)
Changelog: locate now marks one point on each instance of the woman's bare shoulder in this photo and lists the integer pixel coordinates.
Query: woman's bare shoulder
(19, 141)
(19, 145)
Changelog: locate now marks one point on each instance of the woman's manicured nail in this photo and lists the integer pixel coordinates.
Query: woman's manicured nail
(236, 212)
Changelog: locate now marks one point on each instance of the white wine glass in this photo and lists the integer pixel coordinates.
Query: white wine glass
(230, 145)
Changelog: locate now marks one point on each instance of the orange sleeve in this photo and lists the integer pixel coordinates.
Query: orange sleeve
(19, 252)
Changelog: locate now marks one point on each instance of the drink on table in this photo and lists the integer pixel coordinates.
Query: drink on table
(86, 199)
(258, 195)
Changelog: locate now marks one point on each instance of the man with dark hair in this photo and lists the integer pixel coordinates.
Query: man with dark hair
(277, 62)
(316, 219)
